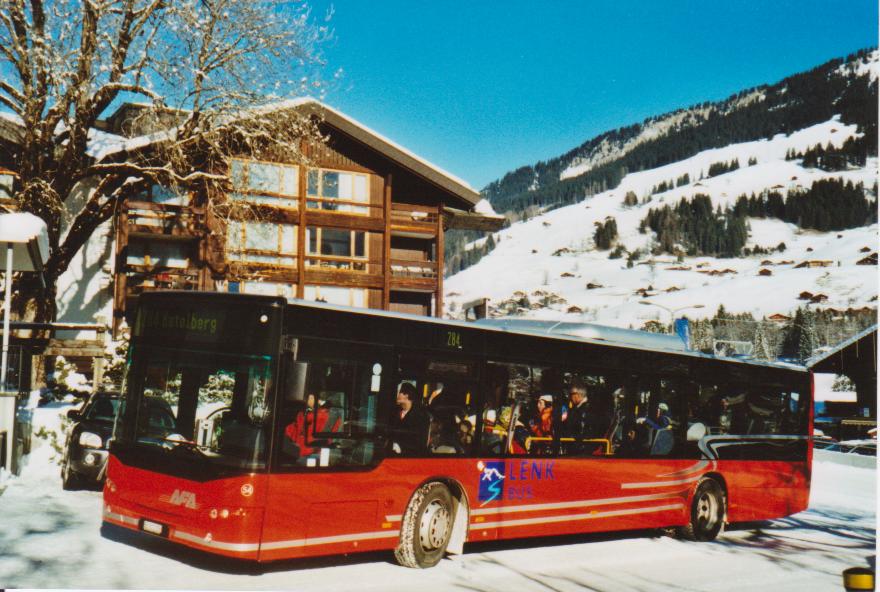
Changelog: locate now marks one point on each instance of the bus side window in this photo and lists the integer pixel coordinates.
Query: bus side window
(328, 415)
(443, 407)
(587, 414)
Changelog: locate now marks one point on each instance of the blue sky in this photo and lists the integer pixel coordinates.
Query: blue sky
(480, 88)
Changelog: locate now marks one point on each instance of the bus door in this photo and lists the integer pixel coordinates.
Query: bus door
(332, 396)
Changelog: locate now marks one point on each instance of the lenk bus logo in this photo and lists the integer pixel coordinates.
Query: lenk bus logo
(491, 481)
(187, 499)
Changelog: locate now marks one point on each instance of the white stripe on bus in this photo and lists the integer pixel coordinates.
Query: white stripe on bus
(238, 547)
(564, 505)
(659, 483)
(120, 517)
(695, 468)
(575, 517)
(329, 540)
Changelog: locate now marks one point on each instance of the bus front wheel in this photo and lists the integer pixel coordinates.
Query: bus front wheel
(707, 512)
(426, 527)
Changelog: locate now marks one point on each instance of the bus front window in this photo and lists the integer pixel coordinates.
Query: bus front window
(214, 404)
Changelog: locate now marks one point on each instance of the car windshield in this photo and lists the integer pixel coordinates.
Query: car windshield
(103, 409)
(211, 405)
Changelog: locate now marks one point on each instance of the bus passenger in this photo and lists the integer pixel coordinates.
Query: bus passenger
(308, 421)
(411, 424)
(542, 424)
(660, 421)
(631, 446)
(578, 423)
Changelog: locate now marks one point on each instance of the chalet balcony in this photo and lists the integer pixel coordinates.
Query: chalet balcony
(145, 279)
(405, 269)
(145, 217)
(414, 221)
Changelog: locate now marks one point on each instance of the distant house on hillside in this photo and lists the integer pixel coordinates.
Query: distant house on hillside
(805, 295)
(813, 263)
(779, 318)
(869, 260)
(765, 272)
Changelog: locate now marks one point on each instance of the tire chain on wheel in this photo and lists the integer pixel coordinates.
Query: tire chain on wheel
(409, 537)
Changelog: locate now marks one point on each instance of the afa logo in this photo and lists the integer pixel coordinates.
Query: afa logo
(491, 481)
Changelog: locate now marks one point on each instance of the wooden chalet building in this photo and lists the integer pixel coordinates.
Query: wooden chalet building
(362, 225)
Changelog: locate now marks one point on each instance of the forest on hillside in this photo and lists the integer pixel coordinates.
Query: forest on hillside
(794, 103)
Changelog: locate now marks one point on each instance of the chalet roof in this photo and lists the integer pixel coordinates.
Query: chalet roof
(858, 349)
(345, 124)
(105, 145)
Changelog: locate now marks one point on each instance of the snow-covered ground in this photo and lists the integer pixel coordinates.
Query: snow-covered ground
(50, 538)
(554, 252)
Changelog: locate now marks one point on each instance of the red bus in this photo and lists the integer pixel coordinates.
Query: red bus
(263, 429)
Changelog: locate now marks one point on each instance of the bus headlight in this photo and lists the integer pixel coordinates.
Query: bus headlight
(90, 440)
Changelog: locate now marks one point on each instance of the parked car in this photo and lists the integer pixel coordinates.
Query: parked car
(85, 449)
(863, 447)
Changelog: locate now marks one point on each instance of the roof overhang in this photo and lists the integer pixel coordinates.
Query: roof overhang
(455, 219)
(395, 152)
(857, 352)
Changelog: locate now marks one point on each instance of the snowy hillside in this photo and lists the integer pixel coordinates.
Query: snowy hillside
(552, 256)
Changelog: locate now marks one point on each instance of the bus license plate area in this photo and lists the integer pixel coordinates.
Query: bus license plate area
(154, 528)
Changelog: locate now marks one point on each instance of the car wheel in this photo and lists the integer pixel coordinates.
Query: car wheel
(708, 510)
(426, 527)
(70, 480)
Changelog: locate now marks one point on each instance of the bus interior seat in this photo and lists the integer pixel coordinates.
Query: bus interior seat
(334, 402)
(696, 432)
(664, 441)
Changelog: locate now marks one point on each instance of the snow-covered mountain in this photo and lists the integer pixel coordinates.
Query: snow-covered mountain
(549, 266)
(846, 87)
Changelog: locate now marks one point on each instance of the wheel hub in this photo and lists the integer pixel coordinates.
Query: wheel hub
(434, 526)
(706, 511)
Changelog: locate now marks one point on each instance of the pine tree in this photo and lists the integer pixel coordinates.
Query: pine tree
(760, 347)
(807, 339)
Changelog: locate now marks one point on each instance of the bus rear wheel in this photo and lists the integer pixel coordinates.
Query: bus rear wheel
(426, 527)
(707, 512)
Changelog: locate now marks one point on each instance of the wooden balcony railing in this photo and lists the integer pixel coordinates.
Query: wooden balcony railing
(404, 268)
(416, 217)
(148, 217)
(144, 279)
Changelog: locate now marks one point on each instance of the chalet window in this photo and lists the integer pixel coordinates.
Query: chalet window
(336, 248)
(336, 295)
(261, 242)
(267, 288)
(164, 195)
(338, 191)
(6, 185)
(265, 183)
(172, 254)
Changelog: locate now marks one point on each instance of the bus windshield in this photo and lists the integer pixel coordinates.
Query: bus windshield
(212, 405)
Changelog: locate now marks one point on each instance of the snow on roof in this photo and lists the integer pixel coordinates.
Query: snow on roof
(840, 346)
(484, 207)
(332, 116)
(28, 235)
